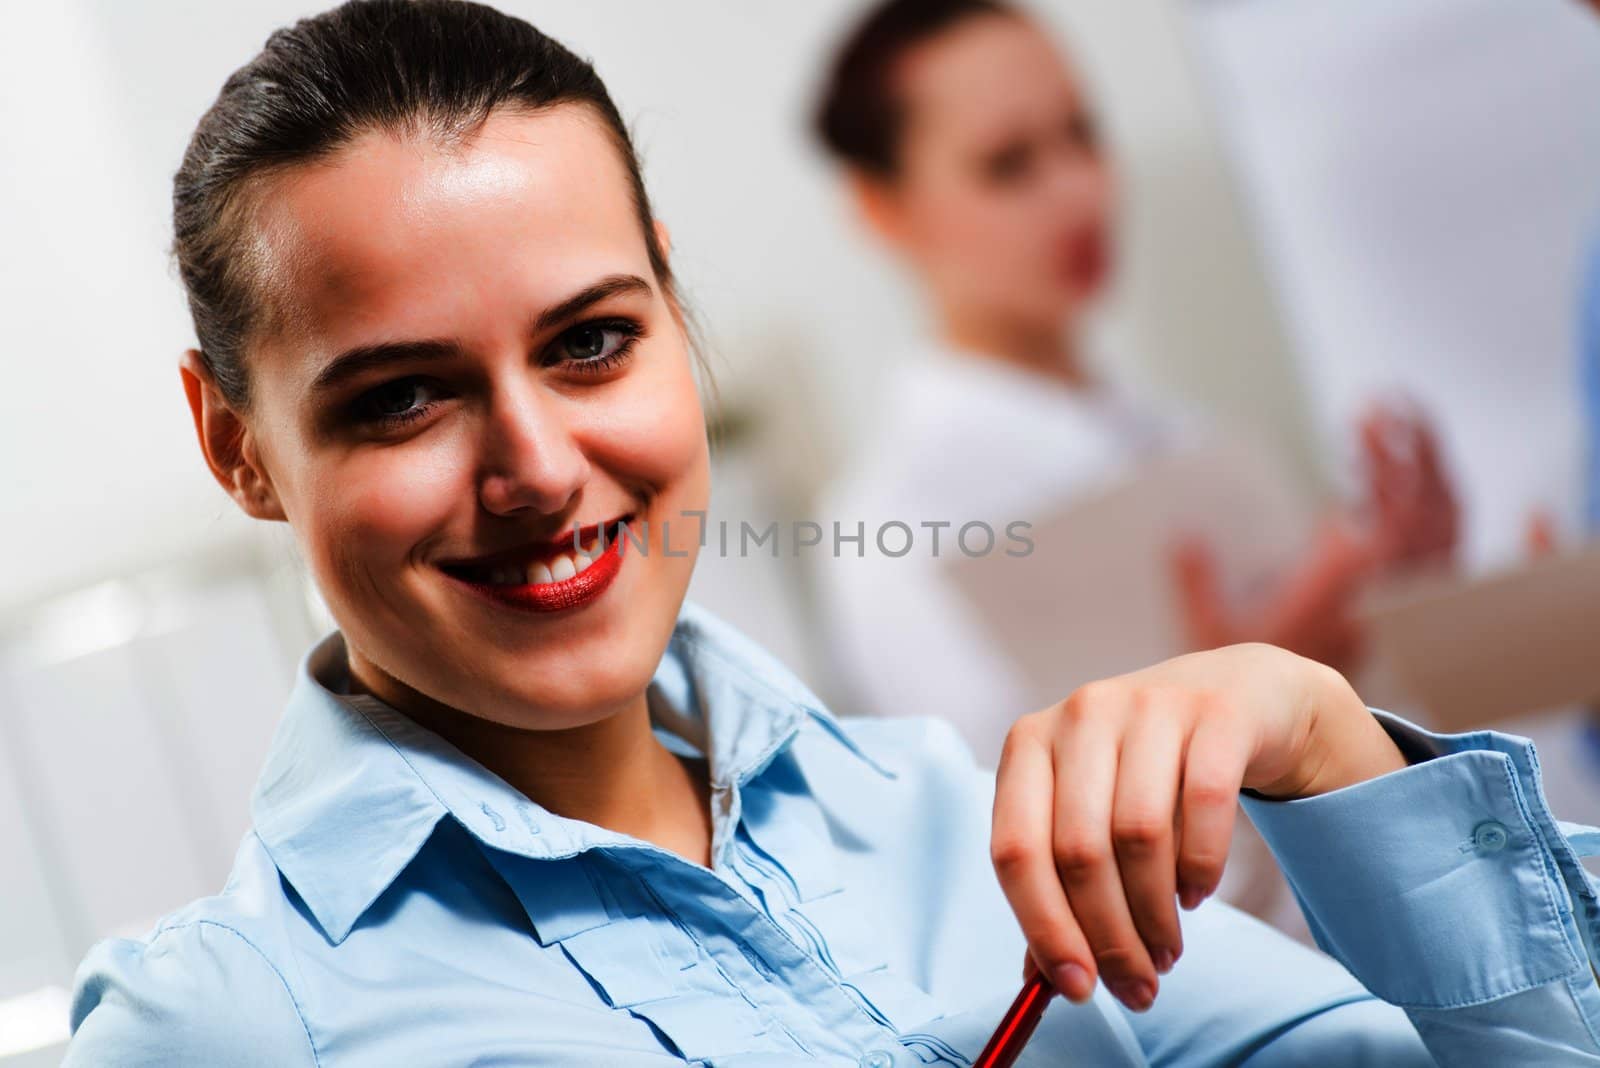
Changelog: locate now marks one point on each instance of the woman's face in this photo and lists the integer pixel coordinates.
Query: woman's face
(533, 379)
(1002, 200)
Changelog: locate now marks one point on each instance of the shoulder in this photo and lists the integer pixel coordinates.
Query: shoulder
(207, 985)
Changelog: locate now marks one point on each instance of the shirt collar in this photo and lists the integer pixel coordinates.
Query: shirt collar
(352, 789)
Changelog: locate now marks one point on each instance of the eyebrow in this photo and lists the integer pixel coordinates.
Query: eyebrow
(609, 286)
(362, 358)
(353, 362)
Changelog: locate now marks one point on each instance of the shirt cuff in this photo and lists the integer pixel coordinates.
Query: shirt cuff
(1445, 883)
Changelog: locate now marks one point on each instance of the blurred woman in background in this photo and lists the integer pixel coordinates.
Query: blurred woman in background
(972, 151)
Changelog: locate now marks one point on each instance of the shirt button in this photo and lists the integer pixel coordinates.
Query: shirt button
(878, 1059)
(1490, 836)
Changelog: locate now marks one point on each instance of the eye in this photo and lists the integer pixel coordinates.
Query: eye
(595, 346)
(1010, 164)
(396, 403)
(1082, 132)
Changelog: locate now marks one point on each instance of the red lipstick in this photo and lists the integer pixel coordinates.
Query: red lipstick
(557, 596)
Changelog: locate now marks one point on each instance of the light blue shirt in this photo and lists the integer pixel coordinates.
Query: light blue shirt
(398, 904)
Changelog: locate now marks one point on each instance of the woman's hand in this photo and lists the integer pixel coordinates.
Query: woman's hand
(1416, 518)
(1311, 612)
(1411, 518)
(1117, 803)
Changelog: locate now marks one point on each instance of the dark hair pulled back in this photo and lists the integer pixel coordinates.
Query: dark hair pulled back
(437, 68)
(859, 116)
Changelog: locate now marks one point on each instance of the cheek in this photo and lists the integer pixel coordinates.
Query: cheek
(977, 231)
(649, 432)
(370, 510)
(1096, 196)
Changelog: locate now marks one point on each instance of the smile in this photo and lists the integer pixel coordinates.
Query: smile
(570, 571)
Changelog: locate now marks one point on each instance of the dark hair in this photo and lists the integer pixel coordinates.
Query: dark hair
(434, 67)
(859, 118)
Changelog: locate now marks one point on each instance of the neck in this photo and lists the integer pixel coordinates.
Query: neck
(613, 772)
(1043, 349)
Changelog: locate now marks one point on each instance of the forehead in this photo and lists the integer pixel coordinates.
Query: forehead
(987, 72)
(409, 238)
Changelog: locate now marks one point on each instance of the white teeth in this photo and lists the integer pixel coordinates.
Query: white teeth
(557, 569)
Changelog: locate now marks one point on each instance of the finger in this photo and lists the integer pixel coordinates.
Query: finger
(1194, 572)
(1086, 754)
(1539, 534)
(1425, 446)
(1020, 846)
(1395, 480)
(1213, 772)
(1330, 576)
(1372, 433)
(1442, 509)
(1393, 474)
(1142, 834)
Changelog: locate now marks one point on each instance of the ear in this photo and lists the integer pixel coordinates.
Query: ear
(226, 442)
(663, 238)
(877, 204)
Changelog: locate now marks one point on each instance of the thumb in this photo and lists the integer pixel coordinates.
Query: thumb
(1539, 534)
(1194, 572)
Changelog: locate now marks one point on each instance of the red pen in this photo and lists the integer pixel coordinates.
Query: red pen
(1016, 1027)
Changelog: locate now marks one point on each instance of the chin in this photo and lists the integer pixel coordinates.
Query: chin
(554, 697)
(571, 679)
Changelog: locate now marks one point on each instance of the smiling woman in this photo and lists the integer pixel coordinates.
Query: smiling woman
(527, 806)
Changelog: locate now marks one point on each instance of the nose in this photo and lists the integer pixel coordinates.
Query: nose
(1075, 181)
(531, 459)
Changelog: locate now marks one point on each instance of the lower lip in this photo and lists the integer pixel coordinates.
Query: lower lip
(575, 592)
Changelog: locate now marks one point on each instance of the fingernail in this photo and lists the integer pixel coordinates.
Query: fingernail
(1164, 959)
(1190, 895)
(1073, 981)
(1134, 993)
